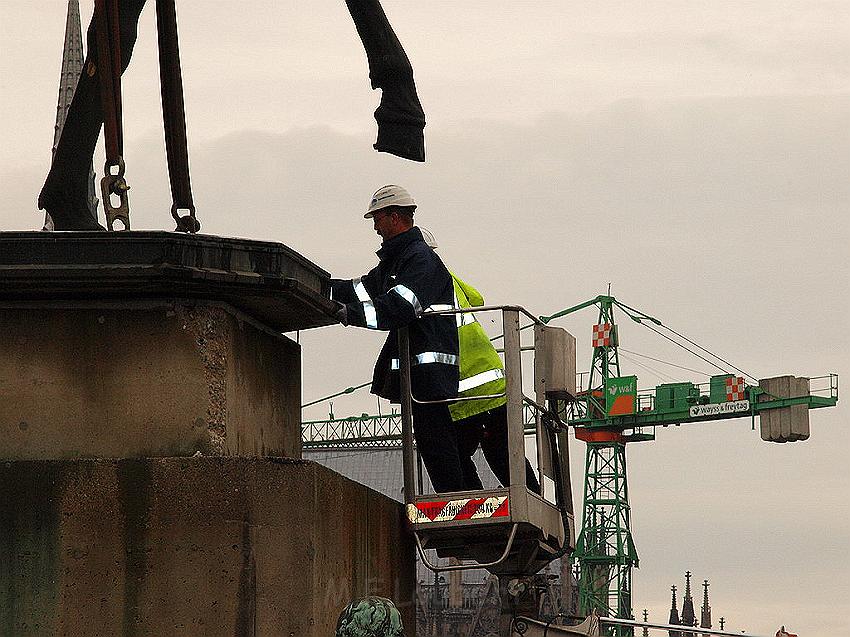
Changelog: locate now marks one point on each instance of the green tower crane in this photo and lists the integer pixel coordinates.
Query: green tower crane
(610, 412)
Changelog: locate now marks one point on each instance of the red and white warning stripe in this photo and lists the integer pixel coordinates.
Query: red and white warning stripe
(465, 509)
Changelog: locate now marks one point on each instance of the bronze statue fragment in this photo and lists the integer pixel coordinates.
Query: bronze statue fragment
(64, 195)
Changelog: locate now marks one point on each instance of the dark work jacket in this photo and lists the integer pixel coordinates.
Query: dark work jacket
(409, 279)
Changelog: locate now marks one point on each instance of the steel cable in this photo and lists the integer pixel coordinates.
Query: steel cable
(658, 360)
(630, 312)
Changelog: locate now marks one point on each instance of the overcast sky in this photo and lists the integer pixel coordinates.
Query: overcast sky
(693, 154)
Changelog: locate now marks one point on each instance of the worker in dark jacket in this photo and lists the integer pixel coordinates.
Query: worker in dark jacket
(409, 280)
(483, 421)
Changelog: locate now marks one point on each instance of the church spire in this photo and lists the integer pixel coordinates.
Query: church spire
(689, 617)
(674, 614)
(674, 611)
(72, 66)
(705, 619)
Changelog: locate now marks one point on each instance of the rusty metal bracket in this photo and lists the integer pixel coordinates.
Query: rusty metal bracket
(115, 185)
(185, 223)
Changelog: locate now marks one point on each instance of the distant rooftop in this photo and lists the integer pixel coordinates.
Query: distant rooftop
(381, 468)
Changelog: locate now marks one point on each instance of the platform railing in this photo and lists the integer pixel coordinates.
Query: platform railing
(519, 407)
(521, 410)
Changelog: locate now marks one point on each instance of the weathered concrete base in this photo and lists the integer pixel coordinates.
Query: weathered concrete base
(200, 547)
(152, 347)
(145, 378)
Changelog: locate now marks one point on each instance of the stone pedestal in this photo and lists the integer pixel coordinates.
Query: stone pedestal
(152, 344)
(145, 379)
(150, 440)
(196, 547)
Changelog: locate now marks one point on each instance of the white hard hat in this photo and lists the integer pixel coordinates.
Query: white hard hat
(387, 196)
(428, 237)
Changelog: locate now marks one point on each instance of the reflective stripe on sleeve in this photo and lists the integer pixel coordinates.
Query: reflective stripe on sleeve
(435, 357)
(368, 308)
(439, 308)
(480, 379)
(407, 294)
(371, 316)
(360, 290)
(426, 357)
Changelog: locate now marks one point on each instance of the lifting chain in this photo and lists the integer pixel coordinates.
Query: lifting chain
(108, 32)
(115, 185)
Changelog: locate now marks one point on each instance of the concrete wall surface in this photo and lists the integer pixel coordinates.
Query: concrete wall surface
(127, 379)
(193, 547)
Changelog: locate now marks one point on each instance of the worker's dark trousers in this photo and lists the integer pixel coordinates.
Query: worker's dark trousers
(493, 428)
(445, 448)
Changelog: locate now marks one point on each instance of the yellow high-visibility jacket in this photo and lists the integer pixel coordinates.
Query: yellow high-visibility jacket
(481, 368)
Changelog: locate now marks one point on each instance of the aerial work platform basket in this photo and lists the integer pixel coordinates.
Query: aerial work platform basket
(510, 530)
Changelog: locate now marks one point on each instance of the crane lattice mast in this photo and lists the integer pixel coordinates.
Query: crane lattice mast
(605, 550)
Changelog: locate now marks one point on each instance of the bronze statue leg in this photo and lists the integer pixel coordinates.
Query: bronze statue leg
(65, 190)
(400, 117)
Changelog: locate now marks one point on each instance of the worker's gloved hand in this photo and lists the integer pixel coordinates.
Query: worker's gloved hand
(341, 314)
